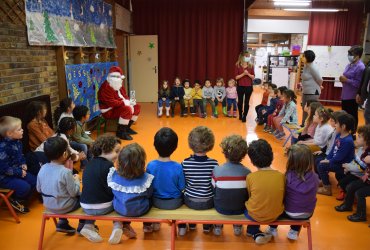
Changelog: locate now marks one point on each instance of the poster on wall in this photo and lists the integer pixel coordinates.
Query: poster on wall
(84, 81)
(80, 23)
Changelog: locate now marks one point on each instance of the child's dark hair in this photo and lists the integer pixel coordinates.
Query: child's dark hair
(334, 114)
(63, 107)
(260, 153)
(313, 105)
(197, 82)
(34, 109)
(365, 132)
(201, 139)
(66, 124)
(276, 91)
(324, 114)
(273, 86)
(234, 147)
(165, 141)
(207, 79)
(185, 80)
(348, 121)
(131, 161)
(282, 89)
(80, 111)
(104, 144)
(55, 147)
(291, 95)
(300, 160)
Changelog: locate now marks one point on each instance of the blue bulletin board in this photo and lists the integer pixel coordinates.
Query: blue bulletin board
(84, 81)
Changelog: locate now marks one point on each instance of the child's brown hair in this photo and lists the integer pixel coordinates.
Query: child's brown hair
(365, 132)
(300, 160)
(131, 161)
(201, 139)
(220, 79)
(313, 107)
(234, 147)
(324, 114)
(104, 144)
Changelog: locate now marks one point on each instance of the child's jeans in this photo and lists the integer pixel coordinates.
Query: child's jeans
(80, 147)
(22, 187)
(323, 170)
(209, 100)
(160, 102)
(198, 204)
(293, 227)
(102, 211)
(198, 103)
(231, 102)
(360, 190)
(173, 105)
(223, 102)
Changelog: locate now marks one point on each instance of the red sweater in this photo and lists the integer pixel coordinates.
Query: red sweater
(265, 97)
(245, 80)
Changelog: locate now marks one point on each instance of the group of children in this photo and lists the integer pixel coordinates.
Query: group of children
(194, 100)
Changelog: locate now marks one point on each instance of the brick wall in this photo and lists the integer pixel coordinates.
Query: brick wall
(25, 71)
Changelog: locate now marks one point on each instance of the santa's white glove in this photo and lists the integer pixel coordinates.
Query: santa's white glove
(132, 102)
(127, 102)
(132, 108)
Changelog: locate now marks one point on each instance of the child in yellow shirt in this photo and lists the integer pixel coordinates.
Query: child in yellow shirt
(197, 96)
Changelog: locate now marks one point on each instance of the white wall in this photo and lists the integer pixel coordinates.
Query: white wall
(277, 26)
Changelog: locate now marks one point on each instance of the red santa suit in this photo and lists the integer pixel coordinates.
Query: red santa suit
(113, 100)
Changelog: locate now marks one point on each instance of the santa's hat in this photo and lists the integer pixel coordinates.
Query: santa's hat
(115, 70)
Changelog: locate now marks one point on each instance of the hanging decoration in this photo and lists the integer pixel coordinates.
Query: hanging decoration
(80, 23)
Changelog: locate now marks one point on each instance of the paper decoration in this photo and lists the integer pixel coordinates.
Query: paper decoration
(70, 23)
(151, 45)
(84, 81)
(139, 53)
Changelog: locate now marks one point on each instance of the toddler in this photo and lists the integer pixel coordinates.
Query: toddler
(177, 95)
(197, 96)
(209, 97)
(64, 109)
(220, 95)
(164, 98)
(288, 114)
(232, 98)
(188, 99)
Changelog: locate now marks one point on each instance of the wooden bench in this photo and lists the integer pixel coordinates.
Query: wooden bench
(173, 218)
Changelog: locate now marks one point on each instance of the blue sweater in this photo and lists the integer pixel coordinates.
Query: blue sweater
(11, 158)
(342, 151)
(169, 180)
(131, 196)
(271, 108)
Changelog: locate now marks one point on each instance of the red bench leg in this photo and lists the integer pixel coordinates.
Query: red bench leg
(309, 236)
(10, 208)
(173, 235)
(41, 239)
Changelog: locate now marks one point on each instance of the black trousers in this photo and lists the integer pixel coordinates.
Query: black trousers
(343, 183)
(244, 95)
(360, 190)
(351, 107)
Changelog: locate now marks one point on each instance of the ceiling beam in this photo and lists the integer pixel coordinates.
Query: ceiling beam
(268, 13)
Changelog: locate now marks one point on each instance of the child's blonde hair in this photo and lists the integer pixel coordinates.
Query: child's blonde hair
(221, 80)
(300, 160)
(131, 161)
(234, 147)
(201, 139)
(8, 123)
(231, 80)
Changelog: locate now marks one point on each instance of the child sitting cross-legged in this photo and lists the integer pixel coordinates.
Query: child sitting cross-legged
(132, 187)
(229, 181)
(198, 170)
(60, 189)
(265, 190)
(169, 181)
(300, 189)
(96, 196)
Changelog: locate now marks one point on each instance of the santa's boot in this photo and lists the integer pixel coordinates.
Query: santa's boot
(130, 131)
(160, 111)
(122, 132)
(168, 111)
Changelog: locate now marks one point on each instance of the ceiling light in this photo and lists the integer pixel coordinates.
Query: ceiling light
(291, 3)
(317, 10)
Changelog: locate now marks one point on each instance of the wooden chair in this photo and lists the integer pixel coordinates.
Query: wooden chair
(108, 125)
(5, 195)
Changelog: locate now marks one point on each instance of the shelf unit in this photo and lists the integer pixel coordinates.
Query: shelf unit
(280, 61)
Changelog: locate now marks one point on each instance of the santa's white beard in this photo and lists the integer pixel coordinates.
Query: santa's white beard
(116, 84)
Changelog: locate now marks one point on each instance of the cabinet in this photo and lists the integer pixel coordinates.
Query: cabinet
(285, 62)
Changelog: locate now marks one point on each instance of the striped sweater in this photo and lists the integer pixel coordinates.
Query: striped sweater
(198, 176)
(229, 181)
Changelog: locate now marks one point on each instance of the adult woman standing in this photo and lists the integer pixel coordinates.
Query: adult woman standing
(311, 81)
(244, 74)
(351, 80)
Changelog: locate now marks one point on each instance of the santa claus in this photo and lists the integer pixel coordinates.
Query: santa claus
(115, 104)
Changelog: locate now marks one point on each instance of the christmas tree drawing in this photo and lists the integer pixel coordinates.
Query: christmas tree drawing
(68, 32)
(50, 37)
(31, 25)
(110, 36)
(76, 93)
(92, 35)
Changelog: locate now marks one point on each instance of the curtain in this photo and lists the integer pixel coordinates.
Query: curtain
(197, 39)
(339, 28)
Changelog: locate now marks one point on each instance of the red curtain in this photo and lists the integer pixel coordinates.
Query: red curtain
(198, 39)
(338, 28)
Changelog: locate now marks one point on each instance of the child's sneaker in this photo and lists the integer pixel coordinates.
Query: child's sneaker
(18, 206)
(292, 234)
(214, 116)
(272, 231)
(192, 226)
(266, 128)
(207, 228)
(217, 230)
(128, 231)
(341, 195)
(115, 236)
(280, 135)
(156, 226)
(238, 230)
(182, 231)
(91, 234)
(65, 228)
(262, 238)
(148, 229)
(272, 131)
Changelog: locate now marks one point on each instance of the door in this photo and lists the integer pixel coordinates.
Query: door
(144, 67)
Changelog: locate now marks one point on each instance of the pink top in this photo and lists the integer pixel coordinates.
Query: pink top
(231, 92)
(310, 130)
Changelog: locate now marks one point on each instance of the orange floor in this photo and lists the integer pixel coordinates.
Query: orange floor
(331, 230)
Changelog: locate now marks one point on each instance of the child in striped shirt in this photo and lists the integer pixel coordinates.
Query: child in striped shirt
(198, 170)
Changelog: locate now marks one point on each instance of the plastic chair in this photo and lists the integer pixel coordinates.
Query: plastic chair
(292, 128)
(101, 121)
(5, 195)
